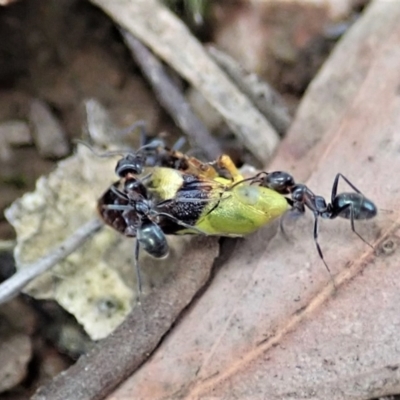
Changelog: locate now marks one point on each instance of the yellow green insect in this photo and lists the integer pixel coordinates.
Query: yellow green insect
(220, 206)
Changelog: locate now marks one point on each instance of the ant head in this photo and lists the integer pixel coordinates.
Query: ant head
(152, 239)
(280, 181)
(131, 163)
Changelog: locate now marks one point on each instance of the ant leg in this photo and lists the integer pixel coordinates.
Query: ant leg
(119, 193)
(297, 208)
(179, 222)
(137, 269)
(319, 248)
(252, 180)
(336, 183)
(179, 144)
(353, 227)
(282, 219)
(117, 207)
(141, 124)
(106, 154)
(258, 177)
(282, 228)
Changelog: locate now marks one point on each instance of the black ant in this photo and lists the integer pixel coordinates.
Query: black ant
(130, 210)
(349, 205)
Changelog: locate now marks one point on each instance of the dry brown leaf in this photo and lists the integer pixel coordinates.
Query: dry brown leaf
(271, 325)
(167, 36)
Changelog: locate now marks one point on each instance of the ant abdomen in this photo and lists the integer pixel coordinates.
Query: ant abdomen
(152, 239)
(353, 205)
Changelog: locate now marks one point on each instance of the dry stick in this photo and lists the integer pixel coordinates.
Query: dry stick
(116, 357)
(13, 286)
(167, 36)
(263, 95)
(171, 98)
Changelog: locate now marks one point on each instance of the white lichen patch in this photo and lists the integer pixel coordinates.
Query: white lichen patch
(94, 282)
(106, 302)
(97, 283)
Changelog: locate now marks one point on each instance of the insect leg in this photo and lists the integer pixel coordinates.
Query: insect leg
(106, 154)
(226, 163)
(336, 183)
(352, 223)
(179, 222)
(141, 124)
(117, 207)
(297, 208)
(179, 144)
(119, 193)
(319, 247)
(137, 268)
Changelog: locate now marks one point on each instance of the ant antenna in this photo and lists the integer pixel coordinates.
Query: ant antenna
(106, 154)
(179, 144)
(141, 124)
(152, 145)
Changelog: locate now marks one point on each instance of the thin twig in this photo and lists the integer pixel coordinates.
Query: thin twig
(171, 98)
(13, 286)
